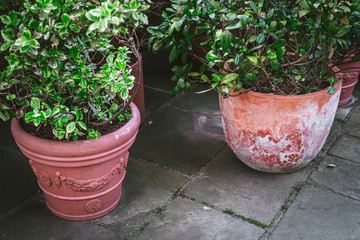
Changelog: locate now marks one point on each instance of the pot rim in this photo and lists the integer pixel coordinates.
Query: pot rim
(81, 147)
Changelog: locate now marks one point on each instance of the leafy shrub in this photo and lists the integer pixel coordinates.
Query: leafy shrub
(69, 63)
(281, 47)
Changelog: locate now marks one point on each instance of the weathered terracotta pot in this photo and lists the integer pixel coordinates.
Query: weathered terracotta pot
(81, 180)
(278, 134)
(350, 72)
(139, 99)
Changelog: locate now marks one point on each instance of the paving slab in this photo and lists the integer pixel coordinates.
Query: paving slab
(352, 125)
(227, 183)
(160, 57)
(319, 215)
(343, 177)
(343, 111)
(184, 219)
(357, 90)
(160, 77)
(154, 99)
(145, 187)
(129, 229)
(6, 138)
(18, 181)
(156, 73)
(346, 147)
(207, 102)
(35, 222)
(175, 139)
(335, 131)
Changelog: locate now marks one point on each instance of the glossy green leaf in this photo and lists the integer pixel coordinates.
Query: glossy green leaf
(275, 64)
(229, 78)
(261, 38)
(66, 18)
(124, 93)
(36, 121)
(82, 125)
(253, 6)
(238, 87)
(117, 87)
(35, 103)
(29, 117)
(331, 90)
(205, 78)
(26, 33)
(60, 25)
(74, 28)
(5, 46)
(173, 54)
(70, 127)
(97, 12)
(175, 91)
(250, 76)
(5, 19)
(7, 36)
(303, 12)
(253, 60)
(226, 37)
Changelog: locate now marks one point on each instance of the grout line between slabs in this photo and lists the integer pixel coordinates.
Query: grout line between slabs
(315, 184)
(169, 169)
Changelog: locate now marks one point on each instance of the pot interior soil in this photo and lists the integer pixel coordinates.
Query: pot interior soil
(46, 131)
(287, 87)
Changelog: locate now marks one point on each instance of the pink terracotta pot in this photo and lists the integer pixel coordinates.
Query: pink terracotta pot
(278, 134)
(350, 72)
(139, 99)
(81, 180)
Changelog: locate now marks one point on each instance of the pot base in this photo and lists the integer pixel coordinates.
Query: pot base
(84, 217)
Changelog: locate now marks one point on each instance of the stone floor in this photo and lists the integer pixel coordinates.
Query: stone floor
(183, 181)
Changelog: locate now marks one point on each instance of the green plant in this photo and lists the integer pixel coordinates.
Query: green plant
(68, 64)
(281, 47)
(160, 211)
(249, 220)
(180, 192)
(351, 37)
(293, 193)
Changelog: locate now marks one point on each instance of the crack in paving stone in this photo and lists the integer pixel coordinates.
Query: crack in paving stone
(128, 229)
(315, 184)
(172, 170)
(249, 220)
(295, 190)
(226, 211)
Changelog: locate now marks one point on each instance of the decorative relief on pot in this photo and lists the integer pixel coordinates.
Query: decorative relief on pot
(44, 178)
(92, 184)
(93, 206)
(57, 179)
(124, 161)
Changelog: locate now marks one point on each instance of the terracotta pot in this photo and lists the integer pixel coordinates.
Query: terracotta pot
(350, 72)
(278, 134)
(139, 100)
(81, 180)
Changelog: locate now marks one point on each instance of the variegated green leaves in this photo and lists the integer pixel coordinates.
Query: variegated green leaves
(117, 16)
(63, 67)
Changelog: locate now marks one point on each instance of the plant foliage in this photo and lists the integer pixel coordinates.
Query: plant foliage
(281, 47)
(68, 63)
